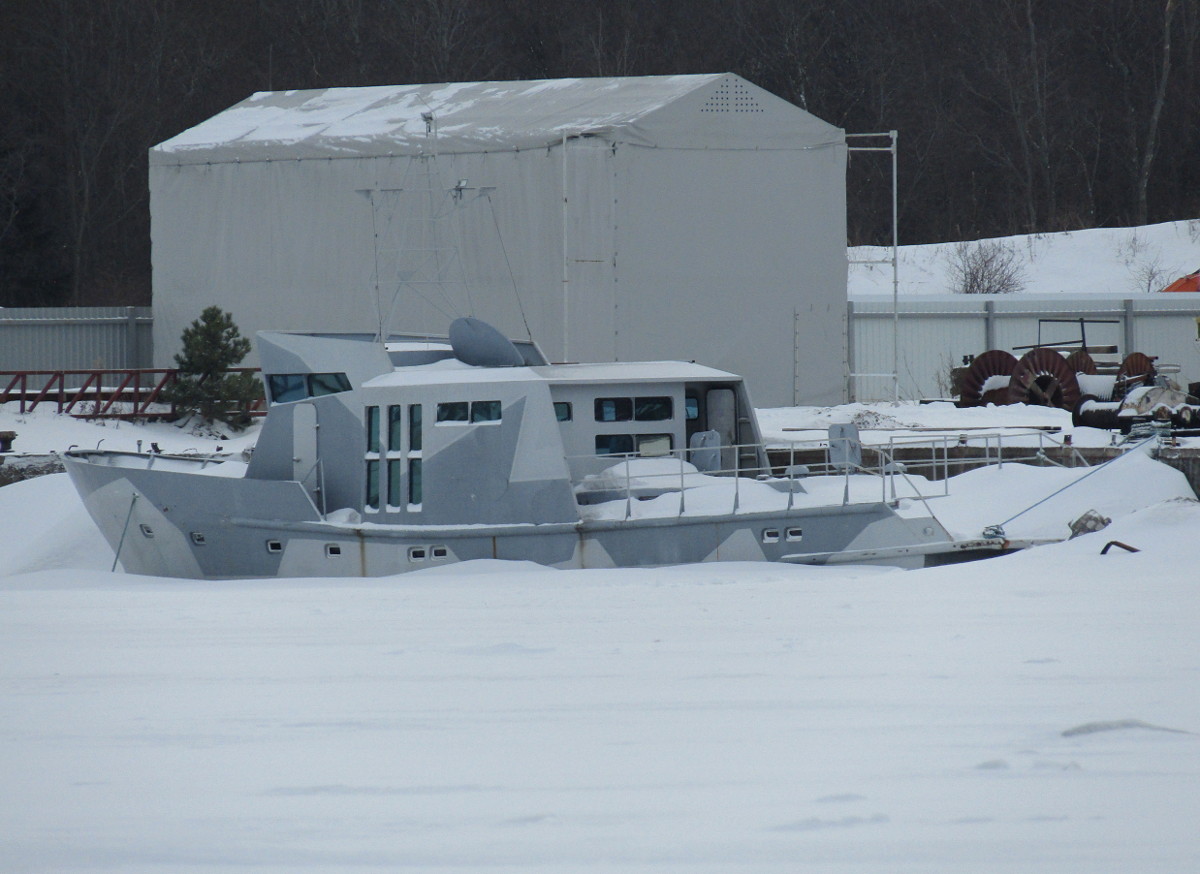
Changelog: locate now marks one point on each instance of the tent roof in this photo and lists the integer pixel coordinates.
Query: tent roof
(1191, 282)
(719, 110)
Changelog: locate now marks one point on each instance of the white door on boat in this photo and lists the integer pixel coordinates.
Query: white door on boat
(304, 448)
(720, 404)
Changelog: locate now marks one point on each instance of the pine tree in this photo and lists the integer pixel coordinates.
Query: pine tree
(211, 345)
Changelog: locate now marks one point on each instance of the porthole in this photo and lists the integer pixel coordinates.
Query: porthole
(770, 535)
(146, 530)
(794, 534)
(198, 538)
(333, 550)
(274, 546)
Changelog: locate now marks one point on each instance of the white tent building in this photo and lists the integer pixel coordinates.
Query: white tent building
(688, 217)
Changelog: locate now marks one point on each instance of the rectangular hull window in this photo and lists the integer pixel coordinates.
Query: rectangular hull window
(485, 411)
(456, 411)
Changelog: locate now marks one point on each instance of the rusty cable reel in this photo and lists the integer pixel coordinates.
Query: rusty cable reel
(1081, 362)
(1135, 370)
(1042, 378)
(986, 380)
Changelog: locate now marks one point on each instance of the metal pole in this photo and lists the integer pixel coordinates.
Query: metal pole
(121, 543)
(895, 276)
(566, 277)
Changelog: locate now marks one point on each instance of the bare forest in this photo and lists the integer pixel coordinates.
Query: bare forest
(1014, 116)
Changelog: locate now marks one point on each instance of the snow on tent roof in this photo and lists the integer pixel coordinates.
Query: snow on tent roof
(497, 116)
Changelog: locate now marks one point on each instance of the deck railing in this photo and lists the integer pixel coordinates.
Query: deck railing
(606, 478)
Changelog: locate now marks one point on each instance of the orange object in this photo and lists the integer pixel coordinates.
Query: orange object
(1191, 282)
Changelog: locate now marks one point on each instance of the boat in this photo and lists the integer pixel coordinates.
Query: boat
(383, 456)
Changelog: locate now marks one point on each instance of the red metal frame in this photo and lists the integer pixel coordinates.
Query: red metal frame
(132, 387)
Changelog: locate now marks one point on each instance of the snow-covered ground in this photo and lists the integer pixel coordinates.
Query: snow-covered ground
(1101, 260)
(1039, 712)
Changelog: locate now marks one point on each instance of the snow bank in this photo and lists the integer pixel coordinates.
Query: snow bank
(1096, 261)
(1004, 715)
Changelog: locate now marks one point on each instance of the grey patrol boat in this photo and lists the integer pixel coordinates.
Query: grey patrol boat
(377, 458)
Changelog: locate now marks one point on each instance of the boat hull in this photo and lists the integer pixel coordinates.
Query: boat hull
(165, 517)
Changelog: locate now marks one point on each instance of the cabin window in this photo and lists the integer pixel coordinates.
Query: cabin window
(416, 553)
(414, 428)
(794, 534)
(439, 552)
(652, 409)
(691, 408)
(456, 411)
(372, 501)
(653, 445)
(327, 384)
(562, 411)
(286, 387)
(274, 546)
(198, 538)
(645, 445)
(333, 550)
(614, 409)
(414, 481)
(647, 409)
(614, 444)
(770, 535)
(485, 411)
(395, 427)
(372, 425)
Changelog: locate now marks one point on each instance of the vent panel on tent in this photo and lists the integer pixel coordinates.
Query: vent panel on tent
(731, 96)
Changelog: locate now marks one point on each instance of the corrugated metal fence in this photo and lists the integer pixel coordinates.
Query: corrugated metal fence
(75, 338)
(935, 333)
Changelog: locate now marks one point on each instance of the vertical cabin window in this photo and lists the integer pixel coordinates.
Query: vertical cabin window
(395, 470)
(373, 484)
(372, 429)
(395, 427)
(414, 481)
(414, 428)
(562, 411)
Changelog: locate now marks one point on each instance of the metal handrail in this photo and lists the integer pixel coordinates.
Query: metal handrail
(886, 466)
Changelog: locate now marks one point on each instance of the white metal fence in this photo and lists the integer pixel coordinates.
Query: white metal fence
(936, 333)
(75, 338)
